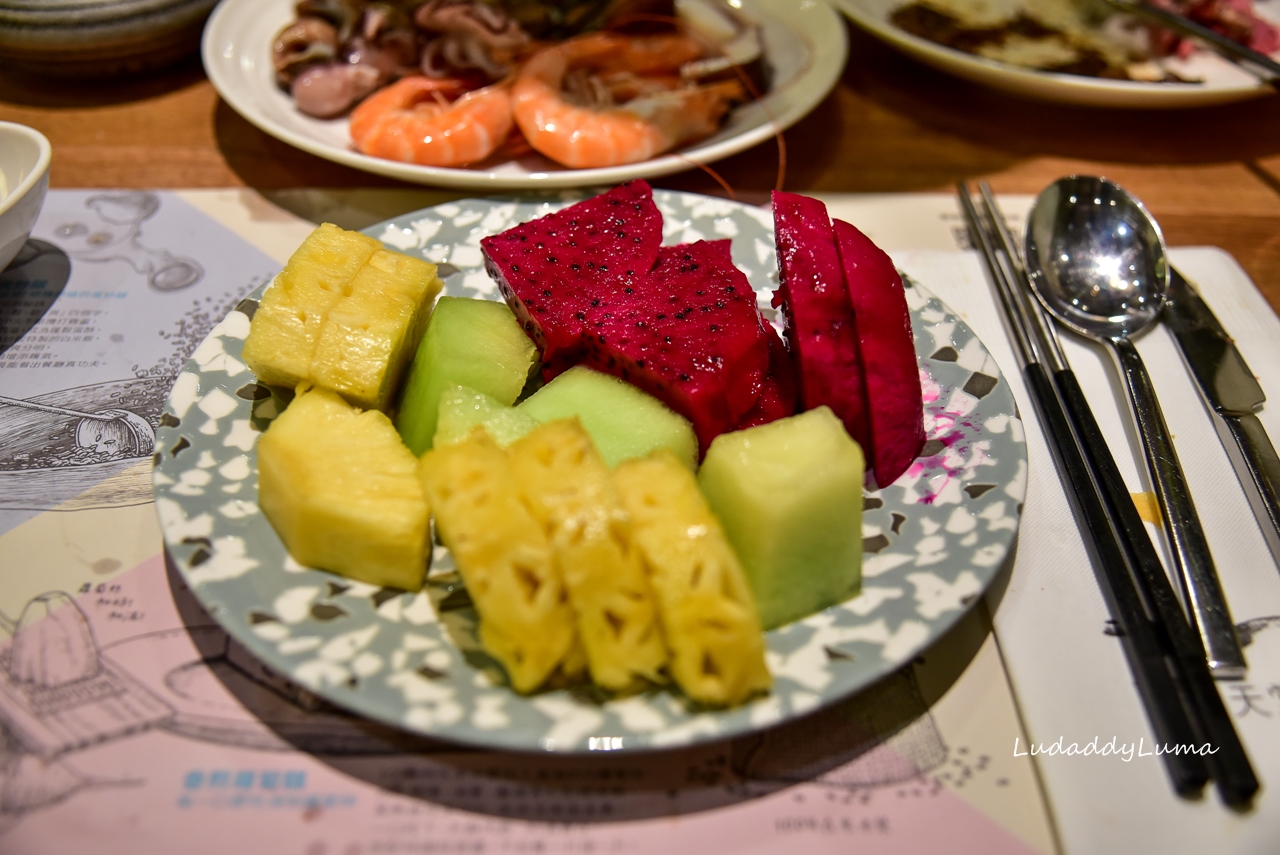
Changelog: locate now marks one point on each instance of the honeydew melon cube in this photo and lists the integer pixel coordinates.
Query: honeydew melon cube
(789, 495)
(623, 421)
(473, 343)
(462, 408)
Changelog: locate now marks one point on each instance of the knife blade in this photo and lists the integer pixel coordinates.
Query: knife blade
(1234, 394)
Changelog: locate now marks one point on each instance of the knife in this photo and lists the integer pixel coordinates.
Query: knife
(1233, 393)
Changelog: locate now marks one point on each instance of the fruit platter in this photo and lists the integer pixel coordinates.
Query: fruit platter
(416, 654)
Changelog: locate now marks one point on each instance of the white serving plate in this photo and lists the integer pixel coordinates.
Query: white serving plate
(805, 44)
(1223, 81)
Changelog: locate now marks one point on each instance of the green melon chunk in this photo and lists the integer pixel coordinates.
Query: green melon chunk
(789, 494)
(473, 343)
(623, 421)
(462, 408)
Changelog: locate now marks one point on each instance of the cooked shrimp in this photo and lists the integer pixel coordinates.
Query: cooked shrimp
(581, 124)
(413, 121)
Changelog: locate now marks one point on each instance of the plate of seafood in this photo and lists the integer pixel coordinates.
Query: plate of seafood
(925, 547)
(1078, 51)
(463, 93)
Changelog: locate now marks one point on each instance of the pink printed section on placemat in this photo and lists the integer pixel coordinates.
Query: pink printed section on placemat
(233, 756)
(911, 818)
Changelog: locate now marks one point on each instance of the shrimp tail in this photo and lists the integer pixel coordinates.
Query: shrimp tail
(690, 113)
(663, 114)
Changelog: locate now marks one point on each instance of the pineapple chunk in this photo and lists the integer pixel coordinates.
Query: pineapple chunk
(708, 614)
(370, 334)
(502, 552)
(342, 491)
(568, 488)
(282, 338)
(344, 314)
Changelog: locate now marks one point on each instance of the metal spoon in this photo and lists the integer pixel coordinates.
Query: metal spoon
(1096, 260)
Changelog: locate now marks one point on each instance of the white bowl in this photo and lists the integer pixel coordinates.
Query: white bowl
(24, 165)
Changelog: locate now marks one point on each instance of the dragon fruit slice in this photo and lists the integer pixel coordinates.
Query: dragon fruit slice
(590, 284)
(820, 324)
(553, 269)
(896, 420)
(693, 337)
(778, 391)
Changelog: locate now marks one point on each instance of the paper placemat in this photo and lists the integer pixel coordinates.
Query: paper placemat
(155, 732)
(942, 772)
(1069, 675)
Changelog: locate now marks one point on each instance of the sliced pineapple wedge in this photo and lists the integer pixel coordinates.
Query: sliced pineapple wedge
(708, 614)
(503, 555)
(570, 491)
(343, 493)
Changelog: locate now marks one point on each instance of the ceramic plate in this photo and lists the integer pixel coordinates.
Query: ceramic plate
(805, 44)
(933, 540)
(1223, 82)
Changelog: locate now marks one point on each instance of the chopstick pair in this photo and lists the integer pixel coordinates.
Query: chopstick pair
(1165, 656)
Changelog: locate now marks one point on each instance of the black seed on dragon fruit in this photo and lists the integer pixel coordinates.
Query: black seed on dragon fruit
(712, 373)
(558, 253)
(680, 322)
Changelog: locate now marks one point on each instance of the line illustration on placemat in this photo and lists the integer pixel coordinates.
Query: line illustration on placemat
(66, 444)
(113, 231)
(62, 693)
(89, 446)
(58, 695)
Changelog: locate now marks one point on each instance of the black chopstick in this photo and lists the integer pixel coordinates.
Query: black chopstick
(1164, 705)
(1229, 765)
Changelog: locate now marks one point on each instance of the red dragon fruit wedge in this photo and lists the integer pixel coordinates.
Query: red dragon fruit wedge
(778, 391)
(820, 324)
(693, 338)
(896, 417)
(553, 269)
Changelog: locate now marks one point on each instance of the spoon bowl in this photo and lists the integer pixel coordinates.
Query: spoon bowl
(1096, 258)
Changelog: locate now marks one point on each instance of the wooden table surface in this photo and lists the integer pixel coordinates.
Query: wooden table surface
(1211, 175)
